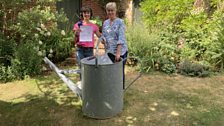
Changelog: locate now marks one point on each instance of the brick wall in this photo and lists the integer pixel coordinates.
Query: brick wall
(97, 9)
(125, 6)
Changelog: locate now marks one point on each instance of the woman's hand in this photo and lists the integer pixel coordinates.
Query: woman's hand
(118, 57)
(118, 53)
(103, 42)
(77, 31)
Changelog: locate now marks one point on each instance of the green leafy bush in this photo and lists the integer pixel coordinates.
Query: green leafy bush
(165, 12)
(142, 45)
(167, 67)
(7, 49)
(215, 49)
(43, 32)
(194, 30)
(27, 61)
(154, 50)
(30, 34)
(191, 32)
(193, 69)
(6, 73)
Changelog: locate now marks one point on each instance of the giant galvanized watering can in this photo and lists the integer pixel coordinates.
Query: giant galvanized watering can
(102, 85)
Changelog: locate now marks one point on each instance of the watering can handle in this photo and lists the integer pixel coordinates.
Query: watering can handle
(97, 49)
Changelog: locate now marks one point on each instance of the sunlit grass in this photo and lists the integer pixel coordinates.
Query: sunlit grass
(154, 100)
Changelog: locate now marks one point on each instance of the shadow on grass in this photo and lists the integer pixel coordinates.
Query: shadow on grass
(37, 111)
(54, 105)
(44, 111)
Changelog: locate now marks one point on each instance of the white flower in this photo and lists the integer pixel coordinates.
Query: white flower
(48, 34)
(50, 55)
(38, 29)
(36, 35)
(63, 32)
(56, 24)
(37, 48)
(152, 109)
(18, 23)
(48, 8)
(173, 113)
(39, 53)
(51, 51)
(155, 104)
(42, 32)
(42, 26)
(44, 68)
(44, 52)
(40, 42)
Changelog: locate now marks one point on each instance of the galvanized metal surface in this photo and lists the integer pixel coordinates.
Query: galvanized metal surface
(66, 80)
(102, 90)
(101, 60)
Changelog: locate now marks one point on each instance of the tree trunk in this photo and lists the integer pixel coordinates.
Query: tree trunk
(205, 4)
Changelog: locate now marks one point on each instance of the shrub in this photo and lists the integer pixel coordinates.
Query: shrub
(200, 30)
(215, 53)
(6, 73)
(167, 67)
(165, 12)
(27, 61)
(43, 31)
(193, 69)
(31, 32)
(141, 46)
(7, 49)
(58, 46)
(155, 50)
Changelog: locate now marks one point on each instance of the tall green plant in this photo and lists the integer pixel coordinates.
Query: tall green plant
(163, 12)
(142, 45)
(155, 50)
(215, 52)
(194, 30)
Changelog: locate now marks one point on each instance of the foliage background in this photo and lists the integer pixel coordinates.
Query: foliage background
(179, 36)
(29, 32)
(175, 36)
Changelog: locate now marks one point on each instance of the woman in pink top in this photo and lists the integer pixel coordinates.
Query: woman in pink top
(85, 47)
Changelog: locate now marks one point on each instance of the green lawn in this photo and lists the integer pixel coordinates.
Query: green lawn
(154, 100)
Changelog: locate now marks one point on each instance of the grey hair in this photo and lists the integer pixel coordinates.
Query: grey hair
(111, 5)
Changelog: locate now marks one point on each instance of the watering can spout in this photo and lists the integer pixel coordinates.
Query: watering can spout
(75, 89)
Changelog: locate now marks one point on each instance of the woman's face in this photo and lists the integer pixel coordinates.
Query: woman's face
(111, 13)
(86, 15)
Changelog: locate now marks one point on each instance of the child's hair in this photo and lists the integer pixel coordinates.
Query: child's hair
(86, 9)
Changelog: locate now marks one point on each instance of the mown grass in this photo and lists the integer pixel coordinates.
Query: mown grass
(154, 100)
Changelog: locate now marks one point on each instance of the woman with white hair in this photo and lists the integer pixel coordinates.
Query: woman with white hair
(113, 33)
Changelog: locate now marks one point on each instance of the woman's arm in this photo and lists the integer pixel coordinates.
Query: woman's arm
(121, 33)
(118, 53)
(121, 40)
(102, 37)
(98, 34)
